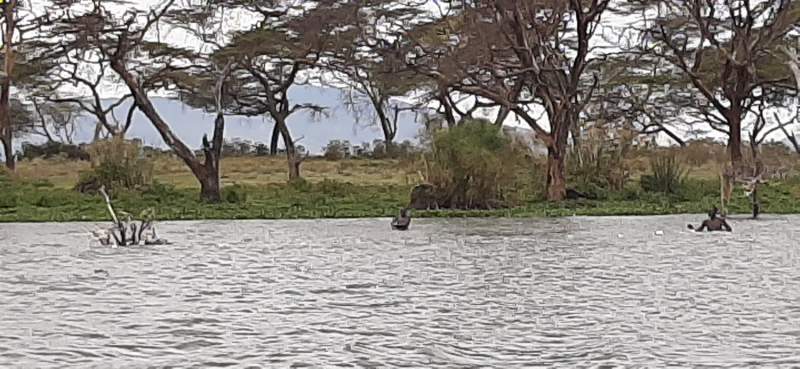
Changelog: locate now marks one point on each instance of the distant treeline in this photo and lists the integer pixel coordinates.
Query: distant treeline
(236, 147)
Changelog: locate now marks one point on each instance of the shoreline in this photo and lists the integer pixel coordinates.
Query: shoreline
(50, 216)
(732, 216)
(42, 196)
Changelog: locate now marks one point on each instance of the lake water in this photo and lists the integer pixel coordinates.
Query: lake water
(456, 293)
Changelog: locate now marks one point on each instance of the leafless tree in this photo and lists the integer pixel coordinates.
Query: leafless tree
(368, 96)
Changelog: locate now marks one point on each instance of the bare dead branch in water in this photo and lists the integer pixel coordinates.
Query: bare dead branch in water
(127, 233)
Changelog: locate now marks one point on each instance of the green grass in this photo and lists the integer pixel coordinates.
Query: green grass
(256, 188)
(39, 200)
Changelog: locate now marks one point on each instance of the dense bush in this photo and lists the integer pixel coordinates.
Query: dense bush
(116, 164)
(470, 164)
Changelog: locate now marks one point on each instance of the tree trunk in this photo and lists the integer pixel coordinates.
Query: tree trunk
(389, 130)
(388, 123)
(6, 130)
(292, 158)
(98, 129)
(209, 175)
(8, 151)
(502, 115)
(574, 128)
(273, 143)
(209, 186)
(556, 181)
(754, 150)
(556, 186)
(576, 135)
(294, 165)
(449, 117)
(735, 137)
(388, 143)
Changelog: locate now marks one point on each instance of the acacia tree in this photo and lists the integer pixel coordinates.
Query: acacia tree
(53, 121)
(635, 92)
(142, 62)
(276, 54)
(762, 127)
(369, 91)
(10, 21)
(71, 72)
(725, 49)
(493, 48)
(23, 121)
(794, 66)
(369, 82)
(16, 25)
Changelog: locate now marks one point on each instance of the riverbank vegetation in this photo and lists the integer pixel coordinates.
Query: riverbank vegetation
(476, 165)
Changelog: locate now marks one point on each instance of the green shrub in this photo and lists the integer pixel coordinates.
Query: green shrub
(300, 185)
(117, 164)
(8, 200)
(333, 188)
(471, 163)
(665, 176)
(234, 194)
(114, 175)
(162, 193)
(696, 190)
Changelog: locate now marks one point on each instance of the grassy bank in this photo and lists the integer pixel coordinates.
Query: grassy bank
(255, 188)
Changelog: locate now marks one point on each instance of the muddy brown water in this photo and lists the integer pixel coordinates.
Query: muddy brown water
(449, 293)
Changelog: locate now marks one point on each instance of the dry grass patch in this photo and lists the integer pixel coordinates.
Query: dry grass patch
(703, 160)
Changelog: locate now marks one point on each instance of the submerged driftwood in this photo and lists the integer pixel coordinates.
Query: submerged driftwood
(127, 232)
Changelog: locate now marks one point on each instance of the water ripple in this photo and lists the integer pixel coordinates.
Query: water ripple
(450, 293)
